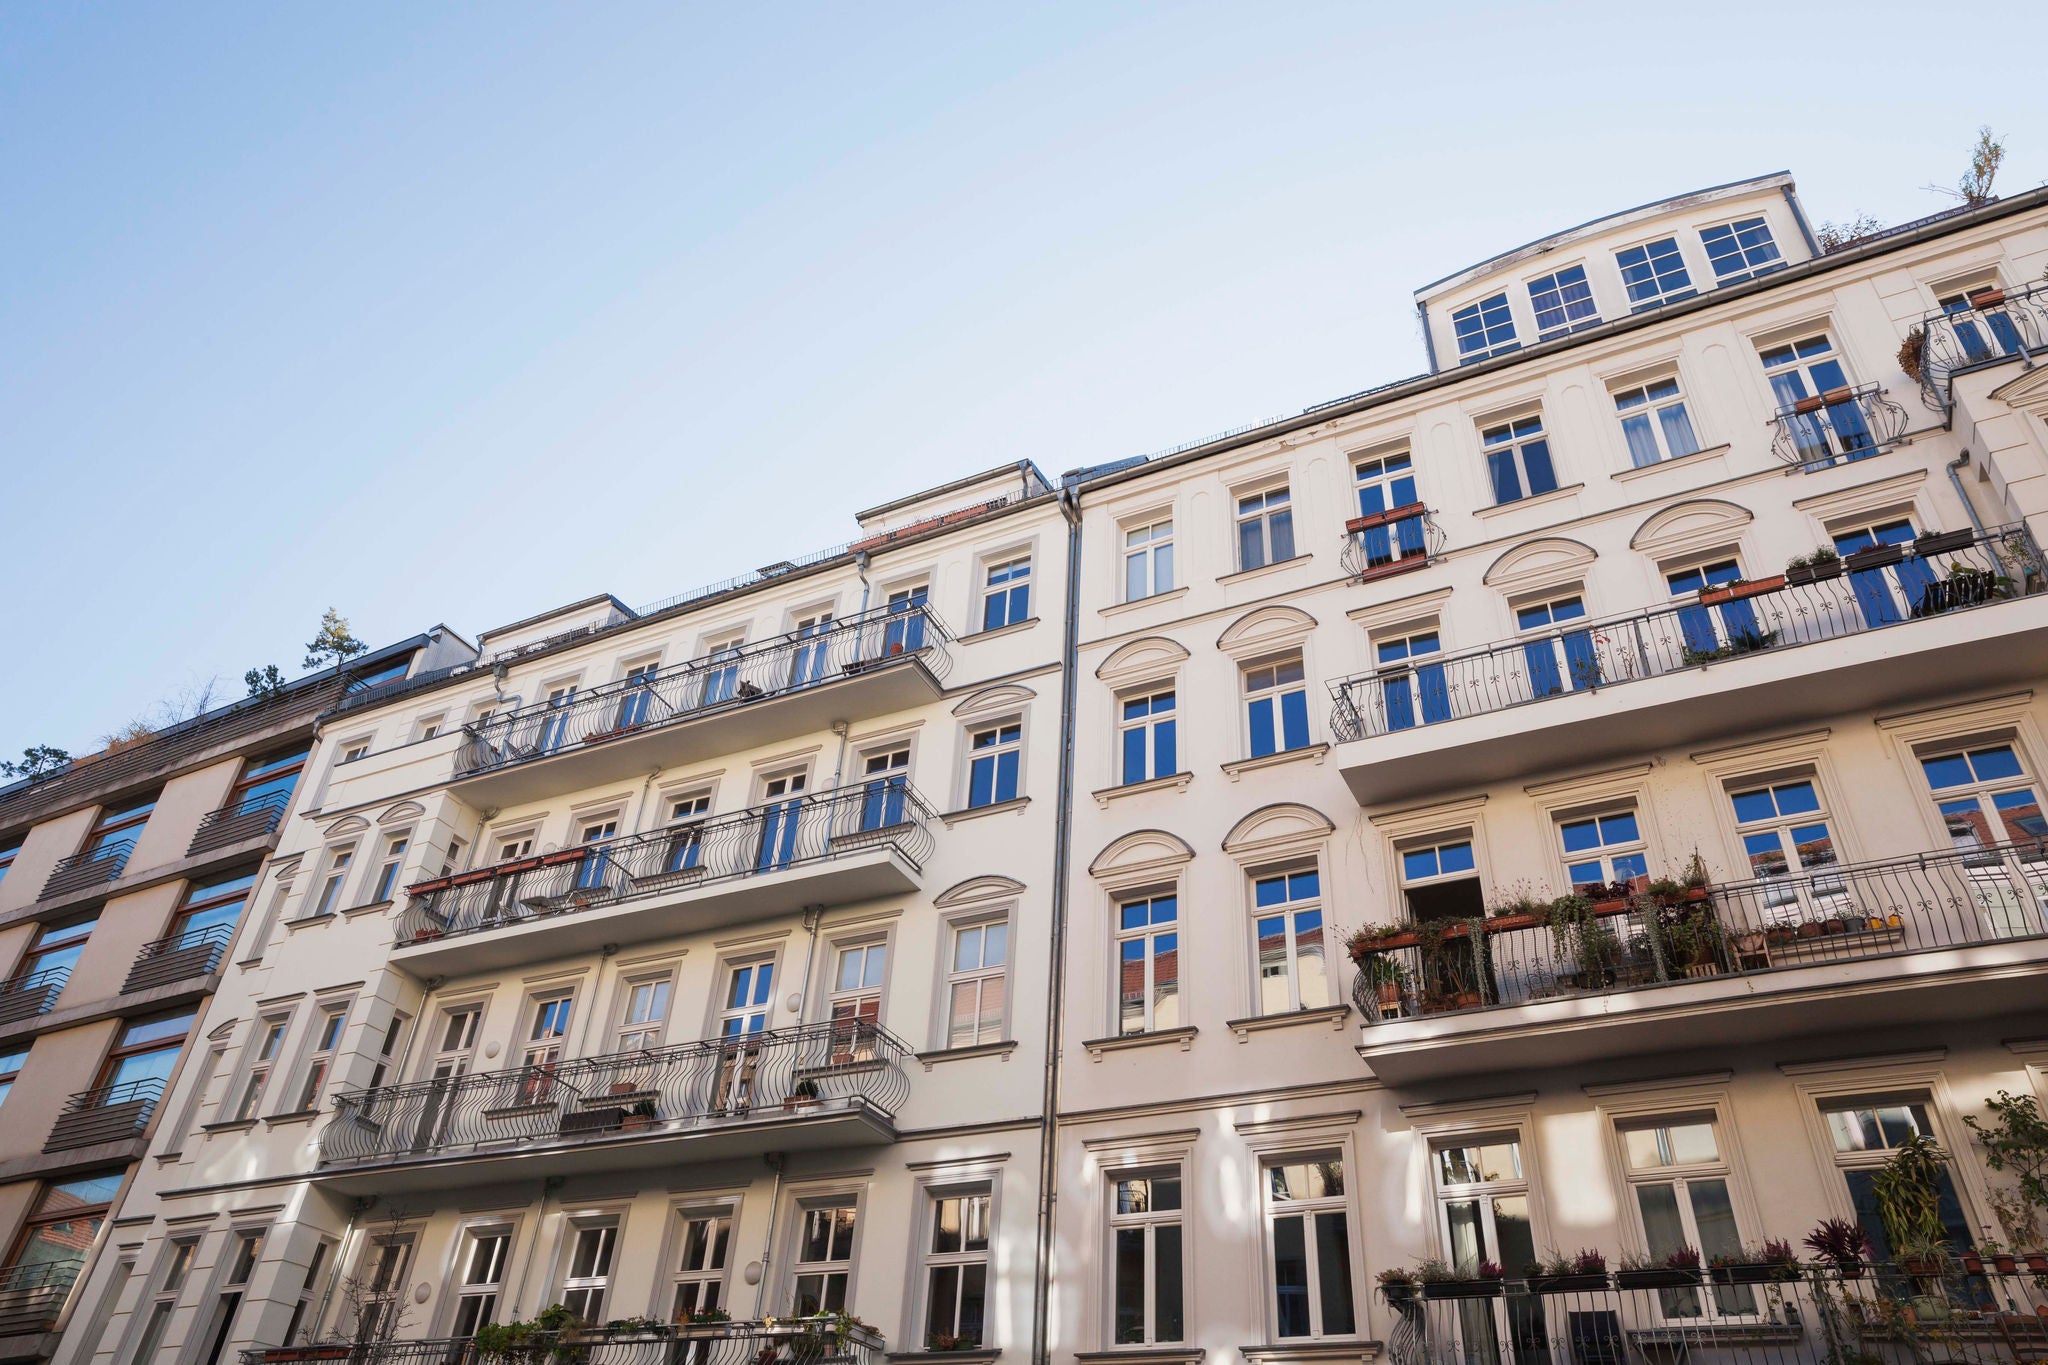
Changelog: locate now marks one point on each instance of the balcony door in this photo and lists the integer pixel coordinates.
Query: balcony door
(741, 1022)
(781, 814)
(1982, 336)
(554, 722)
(452, 1054)
(1738, 625)
(593, 871)
(886, 780)
(1483, 1216)
(904, 631)
(1891, 593)
(636, 698)
(1808, 368)
(1383, 485)
(547, 1034)
(813, 646)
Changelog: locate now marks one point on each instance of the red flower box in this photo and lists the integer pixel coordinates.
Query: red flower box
(1392, 514)
(567, 855)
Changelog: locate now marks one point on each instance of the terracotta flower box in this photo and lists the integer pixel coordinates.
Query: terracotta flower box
(1941, 542)
(1986, 298)
(566, 855)
(1386, 518)
(516, 865)
(429, 888)
(482, 874)
(1750, 587)
(1841, 395)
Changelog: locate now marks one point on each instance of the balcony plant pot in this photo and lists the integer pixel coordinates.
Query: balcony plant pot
(1810, 404)
(560, 856)
(1656, 1277)
(1876, 557)
(429, 888)
(482, 874)
(1388, 993)
(2005, 1263)
(516, 866)
(1921, 1267)
(1503, 924)
(1746, 1274)
(1566, 1284)
(425, 936)
(1399, 1294)
(2037, 1262)
(1973, 1264)
(1756, 587)
(1986, 298)
(1941, 542)
(1461, 1289)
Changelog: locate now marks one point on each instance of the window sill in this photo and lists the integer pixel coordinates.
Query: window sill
(1172, 781)
(1125, 1042)
(1011, 629)
(1133, 604)
(1310, 1352)
(1681, 462)
(297, 1116)
(954, 817)
(230, 1126)
(292, 926)
(1001, 1051)
(973, 1355)
(1264, 569)
(1501, 509)
(355, 910)
(1143, 1355)
(1318, 752)
(169, 1158)
(1336, 1016)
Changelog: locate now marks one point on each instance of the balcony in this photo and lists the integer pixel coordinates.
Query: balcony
(112, 1113)
(836, 1084)
(1837, 427)
(1960, 934)
(779, 1341)
(25, 997)
(868, 665)
(93, 868)
(32, 1295)
(854, 844)
(1383, 544)
(178, 958)
(254, 818)
(1952, 611)
(1997, 325)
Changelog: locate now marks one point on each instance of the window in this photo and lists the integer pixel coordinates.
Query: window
(1148, 964)
(1864, 1133)
(11, 1062)
(1968, 326)
(1654, 273)
(1602, 849)
(1147, 735)
(748, 986)
(457, 1041)
(993, 755)
(387, 1050)
(482, 1280)
(1678, 1181)
(62, 1224)
(380, 673)
(590, 1270)
(706, 1241)
(269, 780)
(385, 887)
(686, 816)
(143, 1056)
(1440, 880)
(178, 1258)
(1563, 301)
(554, 720)
(1404, 680)
(1826, 432)
(298, 1330)
(645, 1014)
(1308, 1237)
(320, 1060)
(1006, 600)
(546, 1035)
(782, 808)
(1741, 250)
(514, 846)
(956, 1271)
(9, 847)
(721, 668)
(1518, 459)
(1276, 706)
(57, 947)
(977, 985)
(808, 661)
(1145, 1259)
(1287, 924)
(824, 1260)
(904, 633)
(1484, 329)
(1560, 658)
(885, 780)
(1654, 422)
(333, 880)
(211, 910)
(429, 726)
(1148, 560)
(595, 868)
(1384, 484)
(1984, 796)
(241, 1264)
(636, 695)
(354, 749)
(269, 1039)
(1737, 623)
(114, 833)
(1782, 823)
(1890, 593)
(1482, 1213)
(1265, 528)
(855, 1001)
(382, 1272)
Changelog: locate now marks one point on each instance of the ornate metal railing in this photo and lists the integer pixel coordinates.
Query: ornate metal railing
(834, 1067)
(1888, 586)
(248, 819)
(94, 868)
(108, 1113)
(1828, 912)
(1839, 425)
(24, 997)
(1382, 544)
(1998, 325)
(1741, 1315)
(32, 1296)
(195, 952)
(747, 843)
(828, 1340)
(743, 676)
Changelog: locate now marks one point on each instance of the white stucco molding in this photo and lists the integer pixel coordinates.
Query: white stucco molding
(1150, 659)
(1551, 562)
(1280, 830)
(1690, 527)
(975, 890)
(1266, 630)
(1006, 697)
(1140, 856)
(403, 811)
(1880, 495)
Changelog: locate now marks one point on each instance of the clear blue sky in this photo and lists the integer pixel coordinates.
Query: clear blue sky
(455, 313)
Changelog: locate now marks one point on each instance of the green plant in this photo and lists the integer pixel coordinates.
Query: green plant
(38, 760)
(1589, 1262)
(1366, 939)
(1380, 970)
(1435, 1271)
(1685, 1258)
(642, 1109)
(1521, 898)
(2015, 1143)
(705, 1315)
(1824, 554)
(624, 1325)
(1798, 562)
(1396, 1275)
(333, 642)
(1581, 934)
(1841, 1242)
(266, 682)
(1908, 1192)
(1448, 949)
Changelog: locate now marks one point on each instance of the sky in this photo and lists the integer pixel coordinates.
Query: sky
(455, 313)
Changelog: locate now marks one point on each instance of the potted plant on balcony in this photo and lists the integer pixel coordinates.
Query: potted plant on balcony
(2015, 1143)
(641, 1115)
(1573, 1273)
(1930, 543)
(1440, 1281)
(803, 1095)
(1913, 354)
(1874, 557)
(1368, 939)
(1681, 1267)
(1841, 1242)
(1449, 967)
(1907, 1189)
(1398, 1285)
(1388, 981)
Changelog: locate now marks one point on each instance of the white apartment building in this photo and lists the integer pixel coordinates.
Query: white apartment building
(1582, 797)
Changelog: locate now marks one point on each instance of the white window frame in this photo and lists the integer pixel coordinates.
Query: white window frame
(1602, 853)
(1308, 1209)
(266, 1045)
(1288, 911)
(1147, 545)
(1004, 743)
(1708, 1301)
(299, 1330)
(382, 1267)
(826, 1269)
(644, 1030)
(1148, 1221)
(1650, 410)
(601, 1233)
(334, 875)
(714, 1270)
(1275, 692)
(174, 1269)
(1017, 570)
(390, 868)
(1168, 690)
(961, 1261)
(323, 1047)
(1274, 498)
(1148, 934)
(489, 1292)
(977, 977)
(389, 1051)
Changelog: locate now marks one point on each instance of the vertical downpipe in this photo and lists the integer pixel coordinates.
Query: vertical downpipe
(1056, 984)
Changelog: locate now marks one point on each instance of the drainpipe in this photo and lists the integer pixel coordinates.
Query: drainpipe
(1428, 342)
(640, 811)
(774, 1160)
(839, 728)
(1056, 985)
(814, 918)
(342, 1252)
(1969, 508)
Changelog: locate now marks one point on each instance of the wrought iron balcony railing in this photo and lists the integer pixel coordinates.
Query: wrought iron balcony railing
(32, 1295)
(95, 867)
(1382, 544)
(828, 1340)
(1891, 1314)
(250, 819)
(24, 997)
(1996, 326)
(743, 676)
(847, 1065)
(1837, 426)
(1823, 913)
(107, 1114)
(1887, 586)
(180, 957)
(747, 843)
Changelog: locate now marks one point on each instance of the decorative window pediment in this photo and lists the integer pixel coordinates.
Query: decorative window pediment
(403, 811)
(1153, 657)
(1266, 630)
(350, 824)
(976, 889)
(1689, 527)
(1546, 563)
(1276, 831)
(993, 701)
(1140, 856)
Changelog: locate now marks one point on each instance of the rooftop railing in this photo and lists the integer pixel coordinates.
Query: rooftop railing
(1382, 544)
(109, 1113)
(1994, 326)
(1887, 586)
(728, 679)
(1821, 912)
(748, 843)
(26, 996)
(846, 1065)
(94, 867)
(252, 818)
(1836, 427)
(196, 952)
(827, 1340)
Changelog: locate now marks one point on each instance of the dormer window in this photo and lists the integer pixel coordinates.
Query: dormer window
(1654, 273)
(1563, 301)
(1741, 250)
(1485, 329)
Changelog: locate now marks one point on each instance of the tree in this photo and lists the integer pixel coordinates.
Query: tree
(266, 682)
(1834, 236)
(1974, 187)
(333, 643)
(39, 760)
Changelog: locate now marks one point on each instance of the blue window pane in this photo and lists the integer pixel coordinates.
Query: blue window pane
(1165, 758)
(1294, 719)
(1507, 481)
(1587, 874)
(1134, 915)
(1262, 737)
(1580, 835)
(981, 782)
(1134, 755)
(1754, 806)
(1455, 857)
(1618, 829)
(1678, 433)
(1952, 770)
(1569, 609)
(1994, 764)
(1165, 909)
(1302, 886)
(1251, 545)
(1133, 709)
(1536, 457)
(1631, 865)
(1419, 863)
(1796, 798)
(1530, 618)
(1269, 891)
(1006, 777)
